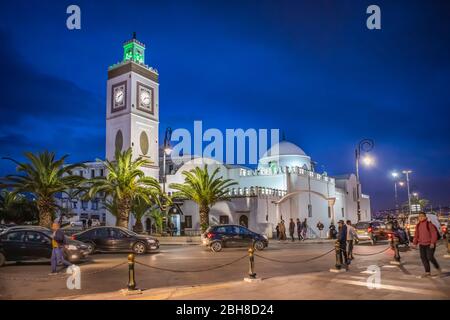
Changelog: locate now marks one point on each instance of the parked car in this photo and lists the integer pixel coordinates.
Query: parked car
(26, 244)
(116, 239)
(413, 220)
(372, 231)
(226, 236)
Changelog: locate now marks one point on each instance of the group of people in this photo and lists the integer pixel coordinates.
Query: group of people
(301, 227)
(346, 235)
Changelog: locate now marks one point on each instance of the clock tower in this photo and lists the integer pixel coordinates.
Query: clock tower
(132, 107)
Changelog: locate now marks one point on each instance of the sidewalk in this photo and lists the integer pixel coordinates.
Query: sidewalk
(318, 285)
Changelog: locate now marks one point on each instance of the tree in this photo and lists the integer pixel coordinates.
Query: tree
(125, 182)
(158, 218)
(43, 177)
(204, 189)
(140, 209)
(17, 208)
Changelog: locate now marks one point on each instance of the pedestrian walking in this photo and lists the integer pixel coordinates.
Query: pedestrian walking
(89, 222)
(58, 242)
(426, 236)
(299, 230)
(282, 230)
(332, 231)
(304, 229)
(292, 229)
(277, 229)
(320, 227)
(351, 237)
(342, 238)
(84, 223)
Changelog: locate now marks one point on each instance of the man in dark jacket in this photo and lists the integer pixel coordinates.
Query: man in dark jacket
(426, 235)
(58, 242)
(299, 230)
(342, 238)
(292, 229)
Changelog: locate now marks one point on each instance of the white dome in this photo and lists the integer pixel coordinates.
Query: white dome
(285, 148)
(285, 154)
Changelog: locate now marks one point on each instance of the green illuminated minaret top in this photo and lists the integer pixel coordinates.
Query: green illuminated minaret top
(134, 50)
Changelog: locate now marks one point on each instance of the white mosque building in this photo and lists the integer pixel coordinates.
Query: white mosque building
(284, 185)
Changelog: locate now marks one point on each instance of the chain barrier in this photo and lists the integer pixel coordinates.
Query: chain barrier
(300, 261)
(185, 271)
(370, 254)
(60, 276)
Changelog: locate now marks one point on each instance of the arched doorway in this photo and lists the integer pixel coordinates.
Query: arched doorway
(148, 225)
(243, 221)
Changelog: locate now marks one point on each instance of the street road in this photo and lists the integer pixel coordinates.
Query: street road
(31, 280)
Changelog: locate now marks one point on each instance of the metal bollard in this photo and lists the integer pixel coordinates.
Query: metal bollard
(131, 277)
(251, 263)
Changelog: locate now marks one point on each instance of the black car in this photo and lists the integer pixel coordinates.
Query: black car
(28, 243)
(116, 239)
(218, 237)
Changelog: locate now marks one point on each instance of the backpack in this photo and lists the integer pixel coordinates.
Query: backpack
(439, 237)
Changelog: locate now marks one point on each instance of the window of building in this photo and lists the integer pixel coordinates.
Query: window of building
(74, 204)
(81, 173)
(224, 220)
(188, 221)
(94, 205)
(101, 172)
(309, 210)
(84, 204)
(92, 173)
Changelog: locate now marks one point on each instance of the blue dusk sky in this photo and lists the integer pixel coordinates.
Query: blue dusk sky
(310, 68)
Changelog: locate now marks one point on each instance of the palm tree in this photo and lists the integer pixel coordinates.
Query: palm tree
(125, 182)
(140, 209)
(16, 208)
(43, 177)
(158, 217)
(204, 189)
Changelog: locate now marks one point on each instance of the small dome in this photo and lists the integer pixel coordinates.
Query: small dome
(285, 148)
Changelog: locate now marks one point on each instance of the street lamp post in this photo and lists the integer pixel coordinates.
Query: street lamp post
(395, 176)
(364, 145)
(407, 173)
(167, 150)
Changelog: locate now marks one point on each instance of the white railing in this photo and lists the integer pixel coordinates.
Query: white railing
(256, 191)
(292, 170)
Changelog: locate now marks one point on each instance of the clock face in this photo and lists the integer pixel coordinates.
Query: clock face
(119, 96)
(145, 99)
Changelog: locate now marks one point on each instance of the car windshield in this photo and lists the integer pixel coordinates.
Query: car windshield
(129, 231)
(362, 225)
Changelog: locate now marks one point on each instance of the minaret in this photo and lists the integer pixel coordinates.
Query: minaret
(132, 107)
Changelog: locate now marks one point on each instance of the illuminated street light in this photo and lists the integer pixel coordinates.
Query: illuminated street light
(407, 173)
(364, 145)
(394, 174)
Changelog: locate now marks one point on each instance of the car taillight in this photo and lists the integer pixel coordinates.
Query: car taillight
(210, 235)
(389, 236)
(369, 229)
(444, 229)
(73, 237)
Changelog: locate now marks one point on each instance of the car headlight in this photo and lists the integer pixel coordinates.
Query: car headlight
(265, 237)
(151, 241)
(71, 247)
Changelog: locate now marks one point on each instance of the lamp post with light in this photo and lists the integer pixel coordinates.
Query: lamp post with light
(364, 145)
(407, 173)
(166, 152)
